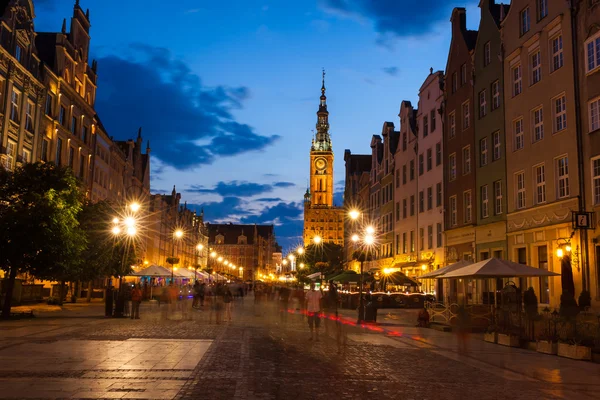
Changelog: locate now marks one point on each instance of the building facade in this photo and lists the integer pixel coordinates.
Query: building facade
(322, 218)
(490, 160)
(541, 146)
(21, 86)
(459, 142)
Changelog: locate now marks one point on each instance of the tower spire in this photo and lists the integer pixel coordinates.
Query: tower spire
(322, 140)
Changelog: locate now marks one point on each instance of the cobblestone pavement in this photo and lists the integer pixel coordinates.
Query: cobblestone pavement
(260, 356)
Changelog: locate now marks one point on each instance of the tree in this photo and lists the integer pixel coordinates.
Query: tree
(40, 235)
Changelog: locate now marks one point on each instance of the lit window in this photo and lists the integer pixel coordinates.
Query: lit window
(560, 113)
(563, 177)
(516, 79)
(557, 52)
(11, 154)
(520, 181)
(484, 202)
(483, 151)
(26, 156)
(538, 124)
(536, 67)
(519, 134)
(540, 184)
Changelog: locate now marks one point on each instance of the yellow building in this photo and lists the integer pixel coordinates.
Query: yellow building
(321, 218)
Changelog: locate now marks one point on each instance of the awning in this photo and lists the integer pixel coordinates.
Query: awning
(497, 268)
(398, 278)
(446, 269)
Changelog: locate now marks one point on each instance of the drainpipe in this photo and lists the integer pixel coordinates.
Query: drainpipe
(583, 237)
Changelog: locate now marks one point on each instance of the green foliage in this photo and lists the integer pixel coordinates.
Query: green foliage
(327, 252)
(568, 306)
(585, 300)
(40, 235)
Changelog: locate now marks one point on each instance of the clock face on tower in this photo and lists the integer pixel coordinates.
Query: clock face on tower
(320, 164)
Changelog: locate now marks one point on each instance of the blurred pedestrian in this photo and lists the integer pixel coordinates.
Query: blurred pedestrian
(463, 325)
(332, 319)
(136, 300)
(196, 291)
(227, 301)
(284, 295)
(313, 309)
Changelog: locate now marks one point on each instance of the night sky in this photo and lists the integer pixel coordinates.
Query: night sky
(227, 91)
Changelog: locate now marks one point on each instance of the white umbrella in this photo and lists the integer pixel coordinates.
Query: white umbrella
(497, 268)
(448, 268)
(153, 270)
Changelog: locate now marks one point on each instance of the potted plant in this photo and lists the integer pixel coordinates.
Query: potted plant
(578, 348)
(491, 334)
(547, 343)
(509, 338)
(585, 300)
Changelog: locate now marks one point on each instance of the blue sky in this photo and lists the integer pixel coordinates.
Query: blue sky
(227, 91)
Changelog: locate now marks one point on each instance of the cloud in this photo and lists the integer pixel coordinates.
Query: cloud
(187, 123)
(230, 209)
(284, 184)
(270, 199)
(392, 71)
(399, 18)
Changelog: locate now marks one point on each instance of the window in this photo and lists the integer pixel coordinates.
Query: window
(596, 180)
(73, 125)
(29, 116)
(525, 21)
(412, 241)
(404, 244)
(430, 237)
(463, 74)
(452, 124)
(560, 113)
(84, 134)
(412, 170)
(466, 160)
(48, 108)
(438, 232)
(44, 153)
(495, 95)
(421, 164)
(542, 8)
(497, 146)
(438, 194)
(453, 220)
(544, 281)
(485, 210)
(454, 82)
(438, 154)
(421, 202)
(62, 115)
(516, 79)
(429, 159)
(429, 198)
(498, 197)
(15, 100)
(466, 115)
(452, 167)
(538, 124)
(71, 156)
(11, 154)
(483, 151)
(81, 165)
(432, 118)
(404, 174)
(519, 134)
(421, 239)
(592, 53)
(397, 178)
(487, 54)
(467, 207)
(412, 205)
(18, 53)
(26, 156)
(557, 52)
(425, 126)
(482, 104)
(536, 67)
(520, 181)
(404, 208)
(563, 177)
(540, 184)
(594, 115)
(58, 158)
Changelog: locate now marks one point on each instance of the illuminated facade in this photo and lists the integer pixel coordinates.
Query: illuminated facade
(321, 218)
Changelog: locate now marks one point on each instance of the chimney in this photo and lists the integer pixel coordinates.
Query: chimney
(459, 19)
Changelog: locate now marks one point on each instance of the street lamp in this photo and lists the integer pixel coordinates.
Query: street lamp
(135, 206)
(178, 234)
(354, 214)
(129, 224)
(368, 240)
(317, 239)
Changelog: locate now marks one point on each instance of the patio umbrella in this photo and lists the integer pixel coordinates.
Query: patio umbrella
(398, 278)
(153, 270)
(350, 276)
(446, 269)
(497, 268)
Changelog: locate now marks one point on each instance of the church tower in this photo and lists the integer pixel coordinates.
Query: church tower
(321, 218)
(321, 158)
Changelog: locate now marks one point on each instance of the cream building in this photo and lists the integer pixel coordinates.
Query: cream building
(541, 150)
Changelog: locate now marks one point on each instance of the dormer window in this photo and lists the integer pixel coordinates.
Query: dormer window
(19, 53)
(242, 239)
(220, 239)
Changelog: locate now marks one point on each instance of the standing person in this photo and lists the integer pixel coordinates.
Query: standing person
(202, 293)
(227, 300)
(284, 299)
(136, 299)
(463, 322)
(173, 296)
(196, 291)
(313, 309)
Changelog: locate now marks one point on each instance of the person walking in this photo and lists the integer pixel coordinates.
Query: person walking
(196, 291)
(284, 299)
(136, 300)
(313, 309)
(227, 301)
